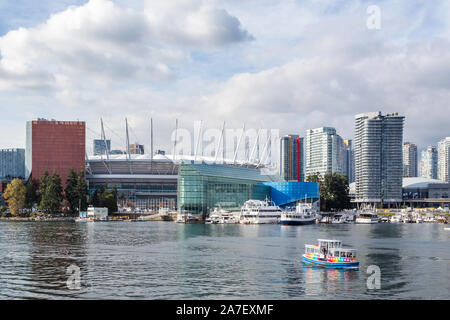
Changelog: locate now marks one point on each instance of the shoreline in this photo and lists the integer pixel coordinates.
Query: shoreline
(38, 219)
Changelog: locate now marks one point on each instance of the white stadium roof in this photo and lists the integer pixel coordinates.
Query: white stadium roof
(415, 182)
(419, 182)
(168, 158)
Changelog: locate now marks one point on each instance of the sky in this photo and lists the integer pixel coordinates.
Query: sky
(287, 65)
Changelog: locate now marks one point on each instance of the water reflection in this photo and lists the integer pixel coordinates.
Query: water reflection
(319, 281)
(53, 248)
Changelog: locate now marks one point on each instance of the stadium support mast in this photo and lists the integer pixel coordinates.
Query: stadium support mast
(218, 145)
(239, 143)
(254, 147)
(104, 139)
(128, 145)
(151, 139)
(175, 141)
(198, 139)
(264, 151)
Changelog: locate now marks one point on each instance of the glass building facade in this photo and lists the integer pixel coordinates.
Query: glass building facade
(12, 164)
(286, 194)
(202, 187)
(378, 157)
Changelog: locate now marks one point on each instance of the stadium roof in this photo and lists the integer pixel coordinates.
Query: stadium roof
(415, 182)
(419, 182)
(169, 158)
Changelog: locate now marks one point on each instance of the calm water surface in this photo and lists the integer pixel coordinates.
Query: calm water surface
(165, 260)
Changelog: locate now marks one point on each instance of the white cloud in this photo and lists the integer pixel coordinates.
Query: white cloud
(102, 42)
(310, 64)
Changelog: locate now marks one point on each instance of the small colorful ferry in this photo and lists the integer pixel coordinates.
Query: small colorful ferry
(330, 253)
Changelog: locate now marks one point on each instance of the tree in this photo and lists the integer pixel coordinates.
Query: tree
(70, 190)
(334, 191)
(15, 196)
(31, 194)
(50, 191)
(76, 191)
(110, 200)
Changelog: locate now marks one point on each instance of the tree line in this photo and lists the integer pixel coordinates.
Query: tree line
(334, 190)
(49, 197)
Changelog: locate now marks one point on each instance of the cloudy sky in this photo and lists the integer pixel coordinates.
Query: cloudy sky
(289, 65)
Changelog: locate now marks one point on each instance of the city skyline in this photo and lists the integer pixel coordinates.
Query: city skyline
(331, 67)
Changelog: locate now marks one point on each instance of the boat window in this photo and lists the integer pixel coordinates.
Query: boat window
(343, 254)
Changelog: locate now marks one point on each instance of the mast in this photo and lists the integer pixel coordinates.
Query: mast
(128, 146)
(151, 139)
(198, 139)
(254, 147)
(175, 141)
(218, 145)
(239, 143)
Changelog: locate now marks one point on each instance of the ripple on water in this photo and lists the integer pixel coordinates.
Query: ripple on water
(163, 260)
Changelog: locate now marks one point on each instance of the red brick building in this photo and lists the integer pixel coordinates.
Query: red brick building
(55, 145)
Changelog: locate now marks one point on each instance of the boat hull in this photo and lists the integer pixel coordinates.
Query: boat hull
(339, 265)
(297, 222)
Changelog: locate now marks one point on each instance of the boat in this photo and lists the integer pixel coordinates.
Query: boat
(384, 219)
(213, 218)
(185, 217)
(406, 218)
(396, 219)
(330, 253)
(259, 212)
(367, 217)
(303, 214)
(221, 216)
(417, 217)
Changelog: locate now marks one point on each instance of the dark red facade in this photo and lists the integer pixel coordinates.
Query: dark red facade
(57, 145)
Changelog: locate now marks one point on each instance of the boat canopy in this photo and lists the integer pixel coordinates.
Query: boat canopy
(342, 253)
(330, 243)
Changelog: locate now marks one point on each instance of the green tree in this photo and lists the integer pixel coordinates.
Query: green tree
(15, 196)
(70, 190)
(50, 191)
(76, 191)
(110, 200)
(31, 194)
(334, 191)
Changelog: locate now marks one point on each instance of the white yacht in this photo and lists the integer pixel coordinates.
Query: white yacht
(220, 216)
(304, 213)
(185, 217)
(259, 211)
(396, 219)
(367, 217)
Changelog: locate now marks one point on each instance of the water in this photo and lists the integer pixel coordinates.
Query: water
(165, 260)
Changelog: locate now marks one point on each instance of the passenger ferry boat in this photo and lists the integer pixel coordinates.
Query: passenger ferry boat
(259, 212)
(367, 217)
(330, 253)
(304, 213)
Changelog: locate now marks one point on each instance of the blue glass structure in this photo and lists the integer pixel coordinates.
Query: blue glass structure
(286, 194)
